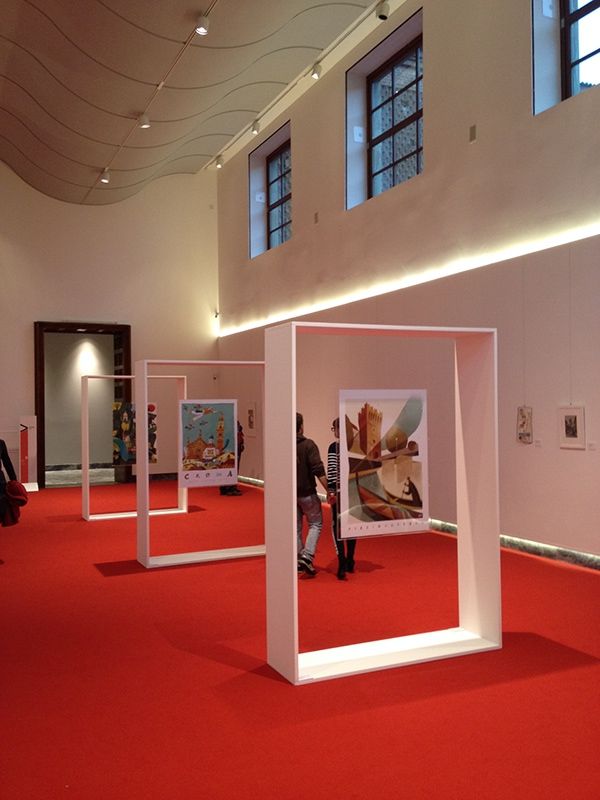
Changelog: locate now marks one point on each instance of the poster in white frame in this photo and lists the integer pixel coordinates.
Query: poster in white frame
(208, 454)
(384, 486)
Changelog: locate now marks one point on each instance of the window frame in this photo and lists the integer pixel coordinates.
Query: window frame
(357, 170)
(416, 46)
(283, 199)
(568, 19)
(257, 188)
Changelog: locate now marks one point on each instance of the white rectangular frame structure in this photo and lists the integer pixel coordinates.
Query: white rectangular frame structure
(476, 415)
(143, 508)
(182, 504)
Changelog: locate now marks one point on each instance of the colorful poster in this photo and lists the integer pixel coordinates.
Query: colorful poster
(124, 433)
(208, 443)
(383, 462)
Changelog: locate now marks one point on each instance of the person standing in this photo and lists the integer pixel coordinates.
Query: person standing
(234, 490)
(5, 463)
(309, 469)
(344, 548)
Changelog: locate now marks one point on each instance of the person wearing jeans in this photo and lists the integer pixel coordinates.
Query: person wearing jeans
(309, 468)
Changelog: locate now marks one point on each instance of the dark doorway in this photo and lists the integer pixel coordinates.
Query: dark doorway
(122, 366)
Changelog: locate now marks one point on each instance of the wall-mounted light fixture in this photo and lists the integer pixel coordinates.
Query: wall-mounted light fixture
(105, 177)
(382, 11)
(143, 121)
(219, 162)
(255, 127)
(202, 26)
(315, 72)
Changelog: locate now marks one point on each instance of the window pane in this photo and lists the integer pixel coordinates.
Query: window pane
(286, 211)
(286, 184)
(575, 5)
(275, 238)
(405, 169)
(382, 155)
(587, 74)
(381, 120)
(286, 232)
(405, 104)
(274, 218)
(286, 160)
(405, 72)
(274, 192)
(381, 89)
(585, 36)
(405, 142)
(274, 168)
(383, 181)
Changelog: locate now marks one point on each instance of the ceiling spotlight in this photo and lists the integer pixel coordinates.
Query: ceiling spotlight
(105, 177)
(315, 73)
(255, 127)
(143, 121)
(382, 11)
(219, 162)
(202, 26)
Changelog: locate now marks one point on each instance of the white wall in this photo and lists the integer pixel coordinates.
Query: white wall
(68, 356)
(149, 261)
(525, 179)
(545, 307)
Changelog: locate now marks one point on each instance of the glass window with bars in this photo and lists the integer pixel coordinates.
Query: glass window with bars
(580, 22)
(279, 195)
(395, 103)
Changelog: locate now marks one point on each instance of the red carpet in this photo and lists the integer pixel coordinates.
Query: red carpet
(119, 682)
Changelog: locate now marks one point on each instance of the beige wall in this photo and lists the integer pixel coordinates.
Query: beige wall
(525, 178)
(149, 261)
(545, 308)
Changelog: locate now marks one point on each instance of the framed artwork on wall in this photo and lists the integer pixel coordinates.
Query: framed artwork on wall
(525, 424)
(251, 419)
(571, 427)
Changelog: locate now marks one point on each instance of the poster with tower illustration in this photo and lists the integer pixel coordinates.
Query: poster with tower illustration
(383, 462)
(208, 443)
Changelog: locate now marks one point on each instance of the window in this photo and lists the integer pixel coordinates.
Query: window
(566, 49)
(270, 192)
(279, 196)
(580, 24)
(395, 102)
(384, 114)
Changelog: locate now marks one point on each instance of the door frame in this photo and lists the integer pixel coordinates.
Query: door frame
(39, 329)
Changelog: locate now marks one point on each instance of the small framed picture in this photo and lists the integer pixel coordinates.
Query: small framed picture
(251, 419)
(571, 427)
(525, 424)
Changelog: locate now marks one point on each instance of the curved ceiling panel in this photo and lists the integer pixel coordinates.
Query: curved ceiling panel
(75, 77)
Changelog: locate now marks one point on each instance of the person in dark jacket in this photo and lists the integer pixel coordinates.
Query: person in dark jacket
(309, 469)
(343, 547)
(5, 463)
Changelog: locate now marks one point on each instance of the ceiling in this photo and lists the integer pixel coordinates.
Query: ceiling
(75, 76)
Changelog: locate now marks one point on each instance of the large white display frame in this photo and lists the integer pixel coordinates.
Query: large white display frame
(182, 505)
(478, 538)
(143, 488)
